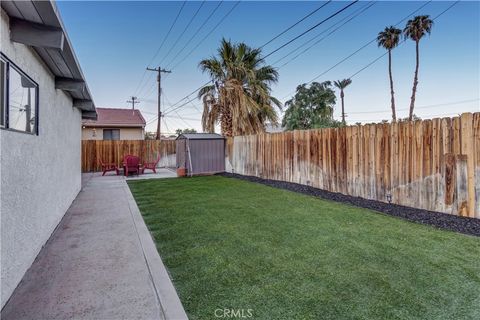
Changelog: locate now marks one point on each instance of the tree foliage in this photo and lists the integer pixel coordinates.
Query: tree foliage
(311, 107)
(389, 39)
(341, 85)
(182, 131)
(415, 29)
(239, 96)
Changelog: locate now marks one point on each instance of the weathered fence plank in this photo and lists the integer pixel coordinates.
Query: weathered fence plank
(431, 164)
(95, 151)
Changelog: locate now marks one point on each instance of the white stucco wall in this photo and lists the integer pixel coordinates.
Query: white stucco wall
(40, 175)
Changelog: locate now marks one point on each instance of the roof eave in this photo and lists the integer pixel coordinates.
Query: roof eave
(118, 125)
(32, 19)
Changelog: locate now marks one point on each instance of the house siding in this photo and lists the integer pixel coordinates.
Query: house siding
(40, 175)
(125, 133)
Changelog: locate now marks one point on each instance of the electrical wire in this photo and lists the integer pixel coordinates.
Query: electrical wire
(195, 34)
(403, 41)
(345, 21)
(161, 45)
(294, 25)
(183, 32)
(357, 50)
(208, 34)
(420, 107)
(311, 28)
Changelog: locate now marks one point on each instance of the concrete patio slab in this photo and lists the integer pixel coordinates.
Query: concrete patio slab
(160, 174)
(100, 263)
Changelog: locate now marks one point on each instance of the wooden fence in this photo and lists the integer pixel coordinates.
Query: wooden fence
(430, 164)
(113, 151)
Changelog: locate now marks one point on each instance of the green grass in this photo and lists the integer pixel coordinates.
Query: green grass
(238, 245)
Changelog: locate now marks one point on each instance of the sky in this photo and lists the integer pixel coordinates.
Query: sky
(116, 40)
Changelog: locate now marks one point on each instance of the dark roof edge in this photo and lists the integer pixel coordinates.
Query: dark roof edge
(48, 11)
(68, 43)
(201, 136)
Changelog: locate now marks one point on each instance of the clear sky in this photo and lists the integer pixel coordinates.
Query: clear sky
(115, 41)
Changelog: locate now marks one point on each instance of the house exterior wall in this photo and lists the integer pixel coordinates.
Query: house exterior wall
(40, 175)
(125, 133)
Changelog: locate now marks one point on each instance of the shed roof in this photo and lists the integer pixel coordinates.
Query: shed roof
(201, 136)
(116, 117)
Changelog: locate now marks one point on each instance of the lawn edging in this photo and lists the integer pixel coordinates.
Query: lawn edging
(465, 225)
(166, 293)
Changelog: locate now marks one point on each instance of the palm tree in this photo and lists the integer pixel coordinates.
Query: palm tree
(389, 39)
(239, 96)
(416, 28)
(342, 84)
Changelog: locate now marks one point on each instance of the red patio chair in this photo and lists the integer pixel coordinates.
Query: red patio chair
(131, 164)
(151, 165)
(107, 167)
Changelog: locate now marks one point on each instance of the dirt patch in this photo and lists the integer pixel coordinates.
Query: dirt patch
(470, 226)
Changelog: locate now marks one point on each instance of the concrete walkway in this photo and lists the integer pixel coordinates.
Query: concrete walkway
(100, 263)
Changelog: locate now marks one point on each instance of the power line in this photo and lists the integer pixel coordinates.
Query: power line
(161, 45)
(184, 118)
(314, 37)
(345, 20)
(294, 25)
(183, 104)
(430, 116)
(188, 95)
(311, 28)
(403, 41)
(421, 107)
(204, 38)
(290, 41)
(195, 34)
(318, 24)
(168, 33)
(356, 51)
(183, 32)
(166, 126)
(208, 34)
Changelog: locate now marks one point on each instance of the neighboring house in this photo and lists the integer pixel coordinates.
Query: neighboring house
(273, 128)
(115, 124)
(43, 99)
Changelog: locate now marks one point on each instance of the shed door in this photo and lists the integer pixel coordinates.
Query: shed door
(181, 163)
(208, 156)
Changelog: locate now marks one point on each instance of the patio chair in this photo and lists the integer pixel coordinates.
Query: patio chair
(151, 165)
(108, 166)
(131, 164)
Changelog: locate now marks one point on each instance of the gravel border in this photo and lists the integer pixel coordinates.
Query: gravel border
(470, 226)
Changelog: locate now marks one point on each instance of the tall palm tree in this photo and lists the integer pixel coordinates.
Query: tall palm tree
(342, 84)
(389, 39)
(416, 28)
(239, 96)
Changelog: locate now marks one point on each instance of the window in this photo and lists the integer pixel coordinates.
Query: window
(18, 98)
(3, 82)
(111, 134)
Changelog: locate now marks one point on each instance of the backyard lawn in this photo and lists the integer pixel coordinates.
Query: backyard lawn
(232, 244)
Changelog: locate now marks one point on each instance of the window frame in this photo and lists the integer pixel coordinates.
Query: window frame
(111, 130)
(10, 64)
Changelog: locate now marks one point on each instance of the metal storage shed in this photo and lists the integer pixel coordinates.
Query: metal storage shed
(201, 153)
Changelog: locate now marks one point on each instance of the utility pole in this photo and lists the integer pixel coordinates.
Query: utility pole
(133, 101)
(159, 79)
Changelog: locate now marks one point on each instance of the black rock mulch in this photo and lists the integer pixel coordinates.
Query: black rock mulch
(440, 220)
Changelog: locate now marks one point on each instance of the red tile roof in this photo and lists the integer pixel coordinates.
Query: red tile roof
(116, 117)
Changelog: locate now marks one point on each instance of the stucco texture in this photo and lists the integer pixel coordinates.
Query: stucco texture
(40, 175)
